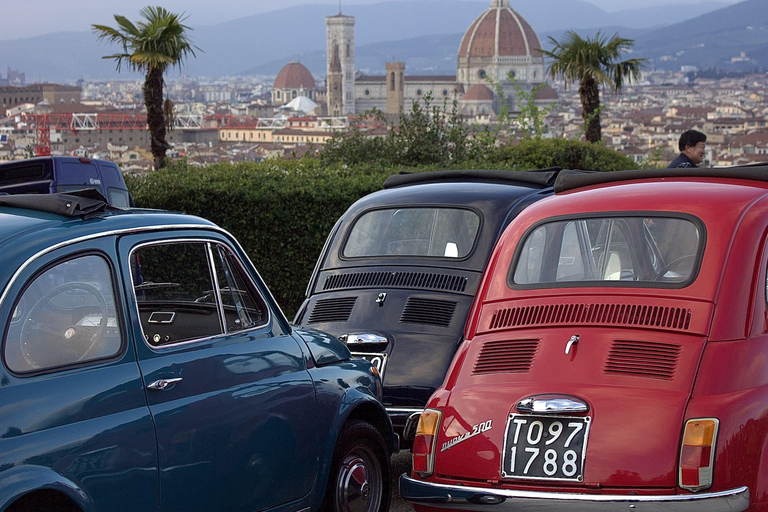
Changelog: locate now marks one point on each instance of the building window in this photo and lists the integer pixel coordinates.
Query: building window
(347, 49)
(367, 92)
(392, 82)
(445, 92)
(293, 94)
(481, 74)
(418, 92)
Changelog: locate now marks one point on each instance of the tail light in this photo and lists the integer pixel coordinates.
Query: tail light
(425, 441)
(697, 454)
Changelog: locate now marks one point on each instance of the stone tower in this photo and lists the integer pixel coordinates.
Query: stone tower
(340, 33)
(395, 87)
(335, 84)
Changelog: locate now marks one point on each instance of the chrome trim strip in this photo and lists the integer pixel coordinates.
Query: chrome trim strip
(504, 500)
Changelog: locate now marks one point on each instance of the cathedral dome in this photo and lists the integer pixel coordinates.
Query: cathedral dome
(478, 92)
(294, 75)
(500, 31)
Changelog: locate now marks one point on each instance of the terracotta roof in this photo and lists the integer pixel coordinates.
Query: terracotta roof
(515, 34)
(294, 75)
(478, 92)
(546, 93)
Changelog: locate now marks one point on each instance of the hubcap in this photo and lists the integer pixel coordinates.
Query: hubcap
(355, 492)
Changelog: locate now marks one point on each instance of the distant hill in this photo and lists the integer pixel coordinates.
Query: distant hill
(712, 39)
(423, 33)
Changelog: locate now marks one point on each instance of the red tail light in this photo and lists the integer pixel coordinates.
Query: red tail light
(425, 441)
(697, 454)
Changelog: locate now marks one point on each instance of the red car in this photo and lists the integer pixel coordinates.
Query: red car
(615, 356)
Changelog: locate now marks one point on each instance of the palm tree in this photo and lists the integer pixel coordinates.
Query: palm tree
(151, 46)
(592, 63)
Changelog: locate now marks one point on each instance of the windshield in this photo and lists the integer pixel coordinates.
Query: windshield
(628, 249)
(441, 232)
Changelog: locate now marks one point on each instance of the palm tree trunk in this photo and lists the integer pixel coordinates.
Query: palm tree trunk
(589, 93)
(153, 99)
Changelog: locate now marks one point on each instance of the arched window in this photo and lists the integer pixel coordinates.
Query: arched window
(347, 49)
(392, 81)
(293, 94)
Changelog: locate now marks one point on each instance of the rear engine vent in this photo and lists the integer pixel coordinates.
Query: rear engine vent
(643, 359)
(396, 279)
(332, 310)
(613, 314)
(428, 311)
(506, 356)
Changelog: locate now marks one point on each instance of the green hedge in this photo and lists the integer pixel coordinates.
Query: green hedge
(282, 211)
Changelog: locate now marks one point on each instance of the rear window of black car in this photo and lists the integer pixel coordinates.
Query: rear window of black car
(425, 231)
(621, 250)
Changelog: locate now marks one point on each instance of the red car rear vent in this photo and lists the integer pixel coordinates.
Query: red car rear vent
(643, 359)
(506, 356)
(591, 314)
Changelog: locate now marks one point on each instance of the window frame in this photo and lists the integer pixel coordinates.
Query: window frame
(211, 261)
(119, 315)
(696, 268)
(395, 257)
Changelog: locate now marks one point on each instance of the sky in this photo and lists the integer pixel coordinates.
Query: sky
(35, 17)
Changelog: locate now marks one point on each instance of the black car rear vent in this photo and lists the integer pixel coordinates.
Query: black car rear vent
(506, 356)
(396, 279)
(643, 359)
(612, 314)
(428, 311)
(332, 310)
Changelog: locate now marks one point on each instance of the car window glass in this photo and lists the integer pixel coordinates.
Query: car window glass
(243, 307)
(175, 292)
(441, 232)
(65, 316)
(118, 197)
(625, 249)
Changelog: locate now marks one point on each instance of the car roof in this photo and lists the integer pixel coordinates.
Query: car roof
(537, 177)
(572, 179)
(27, 231)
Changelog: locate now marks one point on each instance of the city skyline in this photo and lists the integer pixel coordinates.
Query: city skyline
(40, 17)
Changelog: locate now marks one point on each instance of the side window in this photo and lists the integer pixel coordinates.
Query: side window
(65, 316)
(192, 290)
(175, 293)
(243, 308)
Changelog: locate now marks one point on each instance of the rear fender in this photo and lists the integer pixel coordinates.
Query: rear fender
(22, 480)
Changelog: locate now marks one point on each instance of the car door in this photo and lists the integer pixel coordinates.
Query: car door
(233, 405)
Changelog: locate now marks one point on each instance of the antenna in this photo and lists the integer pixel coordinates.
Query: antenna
(339, 7)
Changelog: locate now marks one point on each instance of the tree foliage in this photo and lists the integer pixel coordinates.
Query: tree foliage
(151, 46)
(592, 63)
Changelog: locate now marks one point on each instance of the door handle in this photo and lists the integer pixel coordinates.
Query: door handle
(163, 384)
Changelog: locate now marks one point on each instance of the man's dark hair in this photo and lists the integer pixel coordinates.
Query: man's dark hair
(691, 138)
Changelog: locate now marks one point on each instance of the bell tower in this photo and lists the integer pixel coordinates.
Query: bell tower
(340, 35)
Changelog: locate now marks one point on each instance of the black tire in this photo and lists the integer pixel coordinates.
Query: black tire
(359, 480)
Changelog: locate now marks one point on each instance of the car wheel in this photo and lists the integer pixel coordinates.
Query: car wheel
(359, 480)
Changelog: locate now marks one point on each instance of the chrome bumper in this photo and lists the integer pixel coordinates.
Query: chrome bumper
(482, 499)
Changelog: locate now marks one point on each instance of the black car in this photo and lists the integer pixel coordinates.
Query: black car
(399, 271)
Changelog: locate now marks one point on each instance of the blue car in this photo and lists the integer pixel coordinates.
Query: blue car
(146, 367)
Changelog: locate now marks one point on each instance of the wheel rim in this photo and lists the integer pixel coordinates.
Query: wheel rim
(359, 484)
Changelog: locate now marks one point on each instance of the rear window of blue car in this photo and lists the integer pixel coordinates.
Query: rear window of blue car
(426, 231)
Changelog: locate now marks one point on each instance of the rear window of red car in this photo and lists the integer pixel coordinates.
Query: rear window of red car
(620, 250)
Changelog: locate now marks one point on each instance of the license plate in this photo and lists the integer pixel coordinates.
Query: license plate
(379, 361)
(545, 447)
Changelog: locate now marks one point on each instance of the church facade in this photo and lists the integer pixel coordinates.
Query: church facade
(497, 45)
